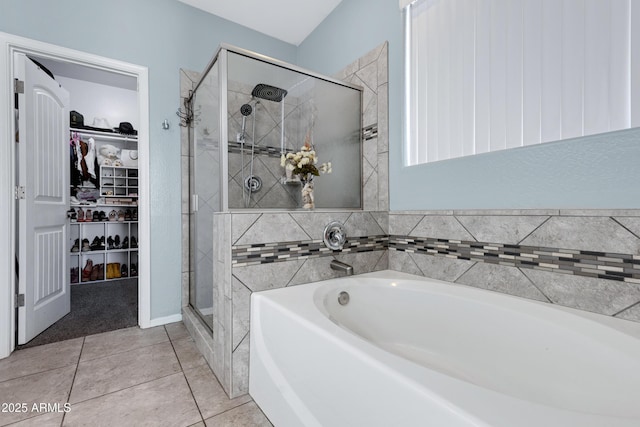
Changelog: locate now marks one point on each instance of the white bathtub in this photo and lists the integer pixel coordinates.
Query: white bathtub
(409, 351)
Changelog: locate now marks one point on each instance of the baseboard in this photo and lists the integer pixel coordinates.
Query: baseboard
(163, 320)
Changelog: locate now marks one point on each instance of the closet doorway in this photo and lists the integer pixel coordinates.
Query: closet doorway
(106, 197)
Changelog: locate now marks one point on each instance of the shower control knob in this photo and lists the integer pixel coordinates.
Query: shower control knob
(334, 236)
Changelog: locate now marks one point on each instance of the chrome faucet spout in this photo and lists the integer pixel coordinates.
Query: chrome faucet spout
(341, 266)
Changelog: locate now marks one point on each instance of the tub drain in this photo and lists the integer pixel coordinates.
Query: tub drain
(343, 298)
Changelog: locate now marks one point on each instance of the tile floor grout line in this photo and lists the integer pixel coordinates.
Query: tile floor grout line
(184, 376)
(36, 373)
(126, 351)
(239, 406)
(127, 388)
(73, 381)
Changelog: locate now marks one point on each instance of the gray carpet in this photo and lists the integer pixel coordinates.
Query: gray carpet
(95, 308)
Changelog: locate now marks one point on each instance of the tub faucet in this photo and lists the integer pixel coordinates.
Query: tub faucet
(341, 266)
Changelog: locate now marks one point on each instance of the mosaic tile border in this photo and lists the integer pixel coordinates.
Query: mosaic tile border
(236, 147)
(370, 132)
(599, 265)
(264, 253)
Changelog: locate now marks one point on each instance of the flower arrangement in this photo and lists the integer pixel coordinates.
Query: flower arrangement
(304, 165)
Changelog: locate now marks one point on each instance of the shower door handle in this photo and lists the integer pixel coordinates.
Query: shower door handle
(194, 203)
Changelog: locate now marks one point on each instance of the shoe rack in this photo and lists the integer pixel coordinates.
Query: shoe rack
(118, 184)
(98, 248)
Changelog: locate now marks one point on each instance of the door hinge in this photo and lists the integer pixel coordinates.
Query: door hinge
(18, 86)
(194, 203)
(19, 300)
(20, 193)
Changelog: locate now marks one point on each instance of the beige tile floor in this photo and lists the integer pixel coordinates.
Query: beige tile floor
(131, 377)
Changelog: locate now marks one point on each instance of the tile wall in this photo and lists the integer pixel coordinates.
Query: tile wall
(588, 260)
(266, 162)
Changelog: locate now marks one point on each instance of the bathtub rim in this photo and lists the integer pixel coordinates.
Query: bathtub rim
(318, 320)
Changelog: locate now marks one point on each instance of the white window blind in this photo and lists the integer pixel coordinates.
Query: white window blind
(487, 75)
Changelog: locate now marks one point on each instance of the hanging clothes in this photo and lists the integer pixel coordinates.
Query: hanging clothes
(90, 158)
(76, 176)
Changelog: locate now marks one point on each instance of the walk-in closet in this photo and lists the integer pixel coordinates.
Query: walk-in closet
(102, 216)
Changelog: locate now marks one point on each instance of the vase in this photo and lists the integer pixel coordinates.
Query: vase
(307, 194)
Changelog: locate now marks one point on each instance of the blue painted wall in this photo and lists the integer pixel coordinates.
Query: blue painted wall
(163, 35)
(594, 172)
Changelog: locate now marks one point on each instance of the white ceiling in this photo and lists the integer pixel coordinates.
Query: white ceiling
(287, 20)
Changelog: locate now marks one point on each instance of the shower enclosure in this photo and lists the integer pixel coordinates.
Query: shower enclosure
(248, 111)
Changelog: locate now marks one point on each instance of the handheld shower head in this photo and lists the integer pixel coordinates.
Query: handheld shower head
(246, 110)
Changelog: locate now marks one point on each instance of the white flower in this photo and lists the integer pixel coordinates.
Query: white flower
(289, 155)
(290, 167)
(283, 160)
(297, 158)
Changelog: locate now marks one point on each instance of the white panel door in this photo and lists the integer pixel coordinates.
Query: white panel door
(43, 172)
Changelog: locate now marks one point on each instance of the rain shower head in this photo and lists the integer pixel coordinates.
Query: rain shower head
(268, 92)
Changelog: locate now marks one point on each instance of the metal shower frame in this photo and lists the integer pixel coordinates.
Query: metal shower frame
(222, 56)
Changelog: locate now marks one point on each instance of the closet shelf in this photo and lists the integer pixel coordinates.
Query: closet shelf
(105, 136)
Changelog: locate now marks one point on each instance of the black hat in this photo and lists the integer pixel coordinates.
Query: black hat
(76, 120)
(126, 128)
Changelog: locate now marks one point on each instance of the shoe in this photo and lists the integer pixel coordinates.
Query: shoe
(120, 216)
(133, 271)
(110, 242)
(113, 270)
(88, 216)
(76, 246)
(125, 243)
(123, 271)
(103, 216)
(134, 242)
(116, 242)
(74, 274)
(85, 245)
(134, 215)
(95, 272)
(97, 244)
(80, 215)
(113, 215)
(127, 215)
(71, 214)
(96, 216)
(87, 270)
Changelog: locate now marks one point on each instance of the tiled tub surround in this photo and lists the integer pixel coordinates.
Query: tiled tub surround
(274, 250)
(588, 260)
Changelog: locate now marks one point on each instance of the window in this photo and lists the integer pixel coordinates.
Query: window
(488, 75)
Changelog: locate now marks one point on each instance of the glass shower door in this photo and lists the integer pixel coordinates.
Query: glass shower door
(205, 191)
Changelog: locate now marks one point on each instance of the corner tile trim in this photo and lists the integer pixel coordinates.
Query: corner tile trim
(264, 253)
(599, 265)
